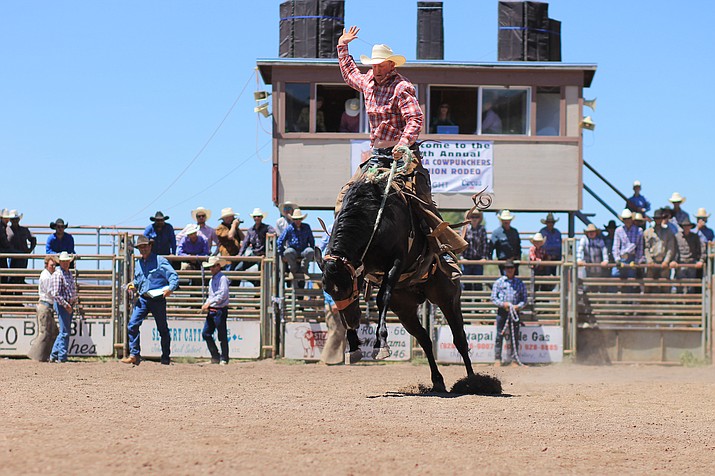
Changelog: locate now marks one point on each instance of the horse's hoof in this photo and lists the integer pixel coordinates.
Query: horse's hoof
(353, 357)
(382, 353)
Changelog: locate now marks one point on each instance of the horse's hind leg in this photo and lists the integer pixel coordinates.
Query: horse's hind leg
(382, 350)
(405, 306)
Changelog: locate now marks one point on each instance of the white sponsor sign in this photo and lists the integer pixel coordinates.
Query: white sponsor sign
(454, 166)
(88, 337)
(537, 344)
(305, 341)
(244, 339)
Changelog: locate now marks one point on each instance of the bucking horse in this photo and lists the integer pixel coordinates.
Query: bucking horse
(378, 239)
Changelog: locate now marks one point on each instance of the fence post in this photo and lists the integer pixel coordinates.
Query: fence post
(573, 291)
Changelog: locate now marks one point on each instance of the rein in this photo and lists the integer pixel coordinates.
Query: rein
(343, 303)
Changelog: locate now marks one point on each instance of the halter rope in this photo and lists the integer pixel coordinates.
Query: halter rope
(513, 326)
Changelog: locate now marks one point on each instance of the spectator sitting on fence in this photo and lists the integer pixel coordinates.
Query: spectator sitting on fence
(59, 241)
(691, 250)
(668, 215)
(285, 219)
(627, 247)
(475, 235)
(537, 253)
(638, 203)
(505, 240)
(216, 307)
(552, 245)
(679, 215)
(255, 240)
(21, 242)
(705, 233)
(161, 233)
(201, 216)
(229, 234)
(64, 293)
(509, 296)
(608, 235)
(192, 245)
(592, 249)
(350, 120)
(296, 247)
(660, 249)
(638, 220)
(47, 330)
(154, 281)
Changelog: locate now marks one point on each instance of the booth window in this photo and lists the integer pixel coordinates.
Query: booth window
(297, 107)
(339, 109)
(453, 110)
(548, 111)
(504, 111)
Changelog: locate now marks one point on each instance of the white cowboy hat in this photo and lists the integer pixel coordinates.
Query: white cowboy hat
(537, 238)
(352, 107)
(676, 198)
(637, 216)
(626, 214)
(212, 261)
(382, 53)
(298, 215)
(257, 212)
(4, 212)
(637, 183)
(191, 228)
(12, 214)
(702, 213)
(505, 215)
(64, 256)
(227, 212)
(590, 227)
(287, 204)
(201, 209)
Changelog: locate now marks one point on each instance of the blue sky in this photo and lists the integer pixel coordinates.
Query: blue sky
(110, 111)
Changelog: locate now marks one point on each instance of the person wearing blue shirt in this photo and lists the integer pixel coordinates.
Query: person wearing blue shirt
(508, 293)
(162, 234)
(552, 242)
(154, 281)
(706, 234)
(59, 241)
(296, 245)
(216, 306)
(638, 203)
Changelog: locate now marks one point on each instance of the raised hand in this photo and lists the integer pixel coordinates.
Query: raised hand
(348, 35)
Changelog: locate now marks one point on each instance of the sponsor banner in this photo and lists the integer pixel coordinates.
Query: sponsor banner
(187, 340)
(88, 337)
(454, 166)
(537, 344)
(305, 341)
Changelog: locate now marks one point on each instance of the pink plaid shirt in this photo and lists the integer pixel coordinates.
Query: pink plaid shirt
(392, 107)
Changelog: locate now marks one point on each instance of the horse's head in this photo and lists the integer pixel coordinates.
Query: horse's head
(341, 282)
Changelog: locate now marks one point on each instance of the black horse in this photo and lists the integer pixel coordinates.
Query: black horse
(399, 256)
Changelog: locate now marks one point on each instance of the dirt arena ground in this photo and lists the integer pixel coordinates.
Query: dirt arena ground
(285, 418)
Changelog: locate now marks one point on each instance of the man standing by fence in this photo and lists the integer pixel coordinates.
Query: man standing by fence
(509, 296)
(154, 281)
(216, 306)
(64, 293)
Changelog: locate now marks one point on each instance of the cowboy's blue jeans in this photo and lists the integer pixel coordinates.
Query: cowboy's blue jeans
(144, 306)
(501, 322)
(59, 349)
(292, 256)
(216, 320)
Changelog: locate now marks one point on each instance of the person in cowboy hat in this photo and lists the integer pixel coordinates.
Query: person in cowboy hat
(691, 250)
(627, 246)
(552, 242)
(396, 120)
(47, 329)
(475, 235)
(609, 231)
(255, 240)
(284, 220)
(64, 293)
(21, 241)
(678, 214)
(296, 246)
(660, 248)
(60, 240)
(350, 120)
(201, 215)
(638, 203)
(154, 281)
(216, 307)
(505, 240)
(162, 234)
(537, 253)
(508, 293)
(229, 234)
(192, 244)
(4, 242)
(705, 233)
(592, 249)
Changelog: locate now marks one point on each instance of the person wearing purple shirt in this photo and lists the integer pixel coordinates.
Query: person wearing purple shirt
(552, 242)
(255, 239)
(59, 241)
(216, 306)
(192, 245)
(296, 245)
(627, 246)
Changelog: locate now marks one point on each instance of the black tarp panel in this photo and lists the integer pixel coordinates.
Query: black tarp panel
(331, 24)
(430, 31)
(310, 28)
(525, 32)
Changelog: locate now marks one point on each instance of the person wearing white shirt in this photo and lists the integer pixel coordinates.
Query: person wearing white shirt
(47, 329)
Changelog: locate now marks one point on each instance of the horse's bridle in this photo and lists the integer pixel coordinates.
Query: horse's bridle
(343, 303)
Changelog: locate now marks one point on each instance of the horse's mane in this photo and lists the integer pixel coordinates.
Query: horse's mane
(356, 219)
